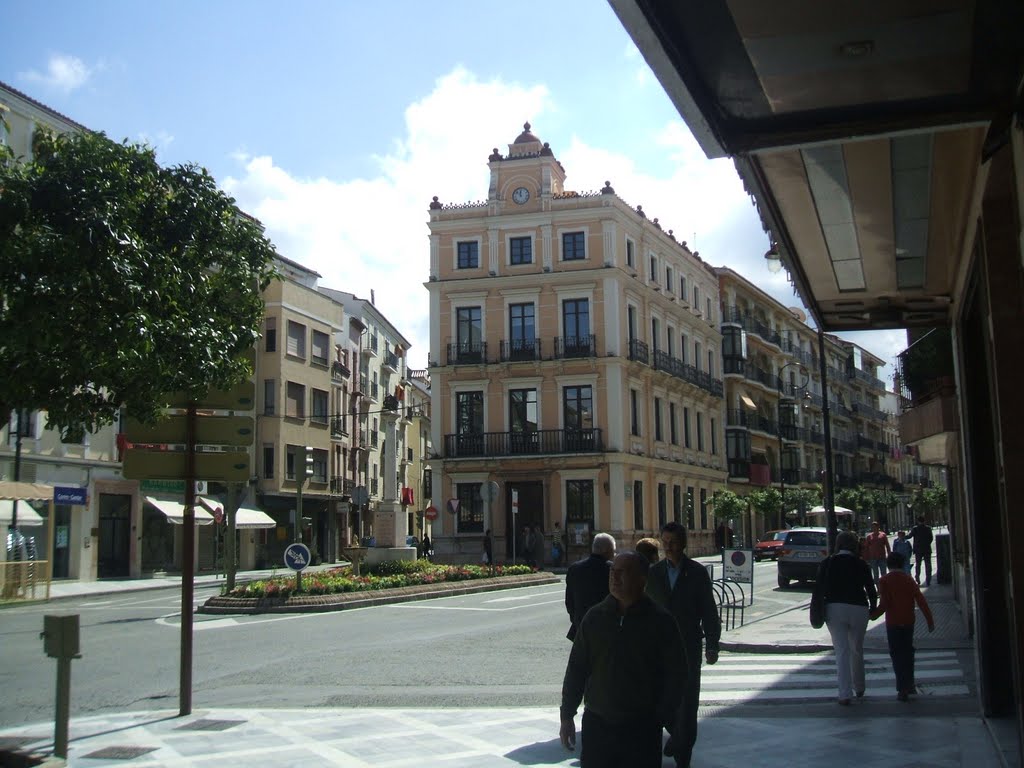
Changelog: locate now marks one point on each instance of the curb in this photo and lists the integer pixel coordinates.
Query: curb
(349, 600)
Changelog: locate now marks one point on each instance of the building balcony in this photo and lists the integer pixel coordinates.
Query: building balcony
(663, 361)
(863, 377)
(339, 427)
(374, 391)
(866, 411)
(340, 371)
(752, 324)
(520, 350)
(734, 366)
(638, 351)
(390, 362)
(341, 486)
(374, 485)
(372, 348)
(575, 346)
(362, 384)
(467, 353)
(540, 442)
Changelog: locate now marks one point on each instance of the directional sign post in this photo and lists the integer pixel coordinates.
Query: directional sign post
(297, 557)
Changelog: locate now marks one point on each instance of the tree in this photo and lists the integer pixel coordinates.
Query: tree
(802, 500)
(768, 503)
(727, 505)
(120, 281)
(930, 502)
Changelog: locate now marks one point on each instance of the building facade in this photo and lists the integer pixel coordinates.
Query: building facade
(574, 348)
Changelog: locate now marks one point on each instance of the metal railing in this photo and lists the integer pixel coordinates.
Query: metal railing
(467, 353)
(514, 350)
(576, 346)
(539, 442)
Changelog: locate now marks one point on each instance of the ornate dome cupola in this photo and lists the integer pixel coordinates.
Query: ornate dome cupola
(525, 144)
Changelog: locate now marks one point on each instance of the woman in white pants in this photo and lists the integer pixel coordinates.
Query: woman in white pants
(849, 591)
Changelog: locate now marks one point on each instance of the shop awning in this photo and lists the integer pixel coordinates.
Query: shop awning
(27, 517)
(245, 517)
(175, 511)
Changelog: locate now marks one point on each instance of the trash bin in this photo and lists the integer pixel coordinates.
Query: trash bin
(943, 559)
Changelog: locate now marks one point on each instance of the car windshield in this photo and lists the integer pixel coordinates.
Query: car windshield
(806, 539)
(771, 536)
(781, 536)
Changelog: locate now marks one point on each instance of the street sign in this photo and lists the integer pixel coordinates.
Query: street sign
(515, 501)
(229, 466)
(210, 430)
(296, 556)
(68, 495)
(489, 491)
(738, 565)
(430, 512)
(360, 495)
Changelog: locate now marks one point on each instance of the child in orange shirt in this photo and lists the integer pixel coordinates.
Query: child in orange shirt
(897, 593)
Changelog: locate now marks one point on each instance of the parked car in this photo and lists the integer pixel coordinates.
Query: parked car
(768, 545)
(801, 553)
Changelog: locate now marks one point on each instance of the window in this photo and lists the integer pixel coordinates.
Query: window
(270, 335)
(653, 274)
(657, 420)
(696, 355)
(468, 328)
(668, 280)
(520, 250)
(269, 397)
(631, 322)
(630, 253)
(734, 342)
(319, 406)
(662, 505)
(291, 459)
(677, 503)
(696, 298)
(684, 342)
(638, 504)
(579, 501)
(319, 466)
(714, 437)
(711, 362)
(469, 255)
(686, 427)
(682, 287)
(471, 509)
(700, 431)
(296, 339)
(522, 420)
(703, 508)
(576, 323)
(708, 316)
(673, 430)
(295, 405)
(634, 414)
(321, 347)
(655, 336)
(573, 246)
(268, 461)
(689, 507)
(522, 330)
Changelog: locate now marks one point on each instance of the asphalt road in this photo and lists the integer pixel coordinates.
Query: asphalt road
(505, 648)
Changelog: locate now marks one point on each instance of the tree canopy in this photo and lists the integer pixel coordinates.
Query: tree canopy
(120, 281)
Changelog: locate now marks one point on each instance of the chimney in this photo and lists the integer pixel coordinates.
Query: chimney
(373, 297)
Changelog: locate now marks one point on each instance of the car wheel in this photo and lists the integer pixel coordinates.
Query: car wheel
(783, 582)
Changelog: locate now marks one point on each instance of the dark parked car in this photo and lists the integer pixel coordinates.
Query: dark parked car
(768, 545)
(801, 553)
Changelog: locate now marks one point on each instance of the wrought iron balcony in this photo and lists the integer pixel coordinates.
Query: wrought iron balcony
(575, 346)
(540, 442)
(467, 353)
(734, 366)
(866, 378)
(518, 350)
(638, 351)
(339, 370)
(339, 426)
(391, 361)
(752, 324)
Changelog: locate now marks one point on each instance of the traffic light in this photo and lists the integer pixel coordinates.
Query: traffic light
(309, 461)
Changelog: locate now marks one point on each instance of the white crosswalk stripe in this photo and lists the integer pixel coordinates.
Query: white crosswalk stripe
(785, 677)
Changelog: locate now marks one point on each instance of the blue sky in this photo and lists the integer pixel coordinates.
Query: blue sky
(335, 122)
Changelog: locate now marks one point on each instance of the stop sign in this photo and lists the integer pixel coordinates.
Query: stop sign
(430, 512)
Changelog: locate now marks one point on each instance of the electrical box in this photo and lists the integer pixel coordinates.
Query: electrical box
(60, 636)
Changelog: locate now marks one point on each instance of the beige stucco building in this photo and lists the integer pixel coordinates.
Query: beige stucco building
(574, 360)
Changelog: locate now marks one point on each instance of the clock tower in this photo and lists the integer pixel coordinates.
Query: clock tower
(526, 178)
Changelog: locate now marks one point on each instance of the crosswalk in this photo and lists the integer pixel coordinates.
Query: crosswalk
(761, 678)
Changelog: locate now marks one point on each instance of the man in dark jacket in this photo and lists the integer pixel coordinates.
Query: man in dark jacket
(586, 581)
(629, 665)
(683, 587)
(923, 537)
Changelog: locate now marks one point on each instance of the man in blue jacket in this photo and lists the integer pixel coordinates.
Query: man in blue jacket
(629, 665)
(683, 587)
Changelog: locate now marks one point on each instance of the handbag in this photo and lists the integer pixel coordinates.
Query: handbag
(817, 608)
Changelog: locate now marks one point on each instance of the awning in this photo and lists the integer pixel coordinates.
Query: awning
(748, 402)
(175, 511)
(27, 517)
(21, 490)
(245, 517)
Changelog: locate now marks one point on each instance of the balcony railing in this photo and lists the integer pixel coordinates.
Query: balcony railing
(518, 350)
(374, 482)
(663, 361)
(734, 365)
(391, 361)
(339, 426)
(752, 324)
(467, 353)
(638, 351)
(576, 346)
(339, 370)
(540, 442)
(342, 486)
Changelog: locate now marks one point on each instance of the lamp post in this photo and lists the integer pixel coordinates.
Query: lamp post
(780, 385)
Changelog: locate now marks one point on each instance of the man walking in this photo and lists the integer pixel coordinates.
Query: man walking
(628, 659)
(683, 587)
(923, 537)
(586, 581)
(876, 548)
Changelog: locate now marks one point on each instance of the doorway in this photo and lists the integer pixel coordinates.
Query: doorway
(61, 541)
(115, 535)
(531, 512)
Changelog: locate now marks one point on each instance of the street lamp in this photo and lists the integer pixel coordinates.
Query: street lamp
(782, 470)
(773, 259)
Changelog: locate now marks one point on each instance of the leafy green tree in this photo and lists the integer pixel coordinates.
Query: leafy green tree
(727, 505)
(768, 503)
(120, 281)
(801, 500)
(930, 502)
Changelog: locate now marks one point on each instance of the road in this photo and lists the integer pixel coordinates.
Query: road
(505, 648)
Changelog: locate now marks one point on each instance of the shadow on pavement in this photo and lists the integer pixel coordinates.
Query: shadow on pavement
(543, 753)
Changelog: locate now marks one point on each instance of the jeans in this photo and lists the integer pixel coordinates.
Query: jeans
(635, 744)
(847, 625)
(901, 651)
(878, 568)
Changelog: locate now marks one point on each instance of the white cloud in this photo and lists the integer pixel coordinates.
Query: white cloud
(162, 140)
(63, 73)
(364, 234)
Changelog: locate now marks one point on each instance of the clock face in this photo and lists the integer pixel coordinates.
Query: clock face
(520, 195)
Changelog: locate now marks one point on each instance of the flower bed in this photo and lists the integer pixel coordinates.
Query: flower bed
(388, 575)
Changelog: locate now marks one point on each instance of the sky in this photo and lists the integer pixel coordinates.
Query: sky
(335, 122)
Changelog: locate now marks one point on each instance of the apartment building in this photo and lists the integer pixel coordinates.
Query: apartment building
(380, 371)
(574, 365)
(774, 405)
(418, 449)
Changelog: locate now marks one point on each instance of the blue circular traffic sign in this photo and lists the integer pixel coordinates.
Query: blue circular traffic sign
(296, 556)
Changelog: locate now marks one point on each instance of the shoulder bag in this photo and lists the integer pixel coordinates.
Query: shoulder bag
(817, 609)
